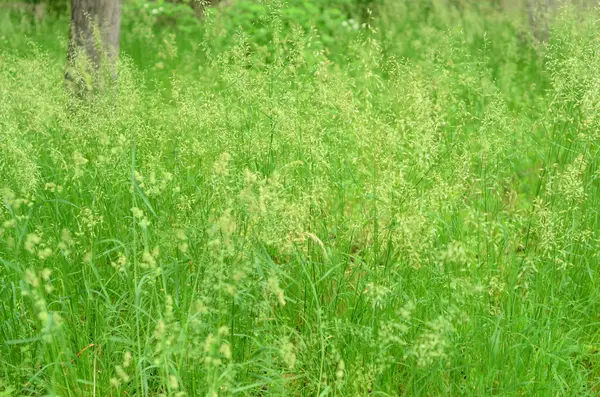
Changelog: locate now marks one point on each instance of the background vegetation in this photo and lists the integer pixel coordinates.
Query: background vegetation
(302, 198)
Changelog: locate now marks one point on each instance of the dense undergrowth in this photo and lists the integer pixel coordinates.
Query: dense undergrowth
(402, 203)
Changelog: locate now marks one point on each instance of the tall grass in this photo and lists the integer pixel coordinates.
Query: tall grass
(413, 211)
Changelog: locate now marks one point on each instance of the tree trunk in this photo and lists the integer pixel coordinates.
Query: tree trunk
(93, 40)
(540, 12)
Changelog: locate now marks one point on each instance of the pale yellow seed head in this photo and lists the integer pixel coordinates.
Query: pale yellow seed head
(9, 223)
(225, 350)
(173, 382)
(31, 241)
(127, 359)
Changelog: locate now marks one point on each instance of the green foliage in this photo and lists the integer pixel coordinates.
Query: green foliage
(254, 19)
(178, 17)
(410, 208)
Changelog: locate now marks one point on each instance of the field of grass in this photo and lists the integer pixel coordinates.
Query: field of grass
(403, 202)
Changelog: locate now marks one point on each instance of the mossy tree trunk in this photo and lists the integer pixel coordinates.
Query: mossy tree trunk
(93, 43)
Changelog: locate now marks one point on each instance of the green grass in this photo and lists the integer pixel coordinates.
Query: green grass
(408, 208)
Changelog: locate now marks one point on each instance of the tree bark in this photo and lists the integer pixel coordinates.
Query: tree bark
(539, 14)
(93, 39)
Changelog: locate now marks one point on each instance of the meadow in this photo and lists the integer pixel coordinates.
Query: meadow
(333, 198)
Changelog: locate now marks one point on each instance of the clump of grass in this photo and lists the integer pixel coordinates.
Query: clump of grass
(414, 219)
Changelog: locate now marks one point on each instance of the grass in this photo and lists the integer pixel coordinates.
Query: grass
(411, 209)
